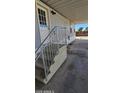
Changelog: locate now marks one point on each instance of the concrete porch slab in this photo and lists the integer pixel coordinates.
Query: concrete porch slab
(72, 77)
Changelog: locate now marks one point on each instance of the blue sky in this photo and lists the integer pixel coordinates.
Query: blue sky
(77, 26)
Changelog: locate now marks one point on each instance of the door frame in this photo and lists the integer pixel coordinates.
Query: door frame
(38, 5)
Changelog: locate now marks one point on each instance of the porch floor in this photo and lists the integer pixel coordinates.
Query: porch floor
(72, 77)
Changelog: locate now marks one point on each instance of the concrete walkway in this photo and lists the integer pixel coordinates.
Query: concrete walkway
(72, 77)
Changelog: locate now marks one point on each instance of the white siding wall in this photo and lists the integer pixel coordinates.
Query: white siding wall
(58, 20)
(72, 34)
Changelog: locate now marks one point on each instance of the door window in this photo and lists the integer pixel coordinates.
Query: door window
(42, 17)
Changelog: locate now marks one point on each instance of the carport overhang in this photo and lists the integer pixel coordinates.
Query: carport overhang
(75, 10)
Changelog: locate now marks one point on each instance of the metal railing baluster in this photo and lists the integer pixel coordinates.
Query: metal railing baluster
(44, 64)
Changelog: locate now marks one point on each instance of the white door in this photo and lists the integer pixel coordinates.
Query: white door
(43, 22)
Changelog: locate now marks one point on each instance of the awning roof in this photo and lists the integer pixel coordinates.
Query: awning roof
(75, 10)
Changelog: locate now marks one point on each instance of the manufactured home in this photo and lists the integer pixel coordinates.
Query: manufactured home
(53, 32)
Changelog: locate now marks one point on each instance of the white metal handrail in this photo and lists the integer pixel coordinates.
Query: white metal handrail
(49, 48)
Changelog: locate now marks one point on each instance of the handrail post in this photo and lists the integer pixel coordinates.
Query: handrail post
(44, 64)
(57, 32)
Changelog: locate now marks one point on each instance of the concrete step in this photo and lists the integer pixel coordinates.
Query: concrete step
(39, 63)
(39, 73)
